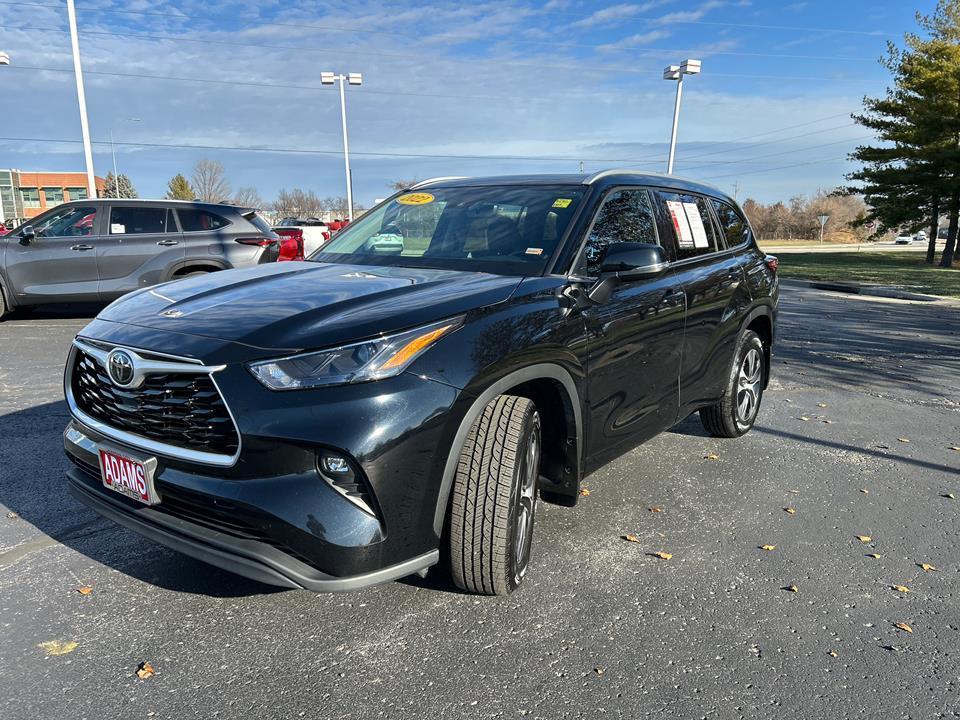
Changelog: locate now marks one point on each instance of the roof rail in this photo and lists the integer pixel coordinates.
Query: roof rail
(622, 171)
(431, 181)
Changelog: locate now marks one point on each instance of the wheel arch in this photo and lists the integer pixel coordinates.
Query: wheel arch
(761, 321)
(552, 385)
(183, 267)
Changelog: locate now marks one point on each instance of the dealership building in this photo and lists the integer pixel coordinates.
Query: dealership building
(24, 194)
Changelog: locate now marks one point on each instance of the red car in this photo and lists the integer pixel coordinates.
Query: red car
(291, 243)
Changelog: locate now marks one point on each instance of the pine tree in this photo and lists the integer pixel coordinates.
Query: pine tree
(178, 188)
(119, 188)
(915, 175)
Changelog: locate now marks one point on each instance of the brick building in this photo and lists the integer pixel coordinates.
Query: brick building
(27, 194)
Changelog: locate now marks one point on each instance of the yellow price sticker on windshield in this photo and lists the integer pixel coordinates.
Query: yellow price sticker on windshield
(415, 199)
(562, 202)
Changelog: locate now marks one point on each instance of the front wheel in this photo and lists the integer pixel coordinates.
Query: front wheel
(494, 498)
(736, 412)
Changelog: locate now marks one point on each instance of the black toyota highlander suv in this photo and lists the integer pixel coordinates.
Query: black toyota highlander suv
(407, 392)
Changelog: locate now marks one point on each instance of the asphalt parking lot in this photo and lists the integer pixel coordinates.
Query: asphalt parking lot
(855, 435)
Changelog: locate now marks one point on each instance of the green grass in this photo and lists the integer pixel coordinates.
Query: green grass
(906, 270)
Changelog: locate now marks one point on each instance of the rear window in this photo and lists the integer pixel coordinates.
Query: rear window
(258, 222)
(200, 220)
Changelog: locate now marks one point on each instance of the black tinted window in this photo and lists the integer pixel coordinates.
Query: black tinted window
(734, 227)
(199, 220)
(71, 221)
(625, 216)
(691, 222)
(137, 220)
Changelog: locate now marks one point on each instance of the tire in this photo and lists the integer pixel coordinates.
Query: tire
(3, 304)
(736, 411)
(494, 498)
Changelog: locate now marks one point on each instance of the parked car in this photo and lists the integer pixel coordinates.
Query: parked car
(98, 250)
(291, 243)
(341, 422)
(313, 231)
(904, 240)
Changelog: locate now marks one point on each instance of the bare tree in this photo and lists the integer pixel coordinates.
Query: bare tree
(297, 203)
(209, 181)
(248, 197)
(399, 185)
(336, 205)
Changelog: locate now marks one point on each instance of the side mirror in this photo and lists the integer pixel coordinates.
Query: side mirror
(27, 234)
(631, 261)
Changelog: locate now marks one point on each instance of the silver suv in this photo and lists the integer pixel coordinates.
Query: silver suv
(98, 250)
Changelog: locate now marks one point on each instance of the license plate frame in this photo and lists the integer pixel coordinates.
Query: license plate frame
(128, 474)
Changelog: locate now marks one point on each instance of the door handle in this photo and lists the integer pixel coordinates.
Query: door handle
(672, 296)
(168, 242)
(81, 247)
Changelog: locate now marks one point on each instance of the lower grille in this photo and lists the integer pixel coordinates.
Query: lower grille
(183, 410)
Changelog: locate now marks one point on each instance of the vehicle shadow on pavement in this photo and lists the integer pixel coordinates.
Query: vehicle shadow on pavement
(74, 311)
(33, 485)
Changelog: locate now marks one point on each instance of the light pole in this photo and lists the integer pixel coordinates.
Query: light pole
(822, 219)
(4, 60)
(329, 78)
(82, 100)
(676, 72)
(113, 153)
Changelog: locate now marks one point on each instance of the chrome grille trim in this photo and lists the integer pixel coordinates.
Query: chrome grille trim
(174, 365)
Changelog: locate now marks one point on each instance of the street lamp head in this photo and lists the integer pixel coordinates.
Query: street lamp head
(355, 78)
(671, 72)
(4, 58)
(328, 78)
(690, 67)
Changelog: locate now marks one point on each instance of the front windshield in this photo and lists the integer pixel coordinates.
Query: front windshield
(506, 229)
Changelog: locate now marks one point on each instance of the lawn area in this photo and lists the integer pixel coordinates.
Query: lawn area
(906, 270)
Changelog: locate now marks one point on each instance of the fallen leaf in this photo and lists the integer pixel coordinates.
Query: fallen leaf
(144, 670)
(904, 627)
(949, 496)
(804, 418)
(12, 515)
(630, 538)
(901, 588)
(828, 422)
(790, 511)
(711, 456)
(599, 670)
(864, 538)
(85, 590)
(584, 492)
(832, 653)
(791, 588)
(768, 548)
(904, 440)
(864, 491)
(662, 555)
(655, 508)
(821, 404)
(927, 566)
(883, 447)
(955, 447)
(56, 647)
(875, 556)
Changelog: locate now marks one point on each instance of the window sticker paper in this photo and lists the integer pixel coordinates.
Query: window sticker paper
(680, 223)
(696, 225)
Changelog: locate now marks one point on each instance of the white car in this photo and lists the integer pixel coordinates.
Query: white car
(904, 240)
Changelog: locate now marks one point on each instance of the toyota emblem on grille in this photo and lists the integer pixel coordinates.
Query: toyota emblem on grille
(120, 367)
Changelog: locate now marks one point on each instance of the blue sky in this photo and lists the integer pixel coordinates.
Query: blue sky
(450, 88)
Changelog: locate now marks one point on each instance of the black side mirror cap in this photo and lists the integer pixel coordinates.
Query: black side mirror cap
(27, 234)
(631, 261)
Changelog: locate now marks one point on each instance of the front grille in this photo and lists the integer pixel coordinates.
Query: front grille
(183, 410)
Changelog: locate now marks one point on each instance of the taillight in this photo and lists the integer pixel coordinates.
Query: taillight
(258, 242)
(772, 262)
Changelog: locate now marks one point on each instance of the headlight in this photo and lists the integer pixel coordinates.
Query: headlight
(359, 362)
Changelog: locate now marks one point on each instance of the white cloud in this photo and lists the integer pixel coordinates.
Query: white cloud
(614, 13)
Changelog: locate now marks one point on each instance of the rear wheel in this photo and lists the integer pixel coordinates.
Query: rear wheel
(735, 413)
(3, 304)
(494, 498)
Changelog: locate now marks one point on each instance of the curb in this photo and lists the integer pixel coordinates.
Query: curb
(856, 289)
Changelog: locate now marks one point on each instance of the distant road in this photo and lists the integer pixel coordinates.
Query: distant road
(848, 247)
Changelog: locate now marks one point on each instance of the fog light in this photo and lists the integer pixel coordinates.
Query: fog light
(336, 465)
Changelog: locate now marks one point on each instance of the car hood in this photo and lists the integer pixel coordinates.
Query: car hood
(294, 306)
